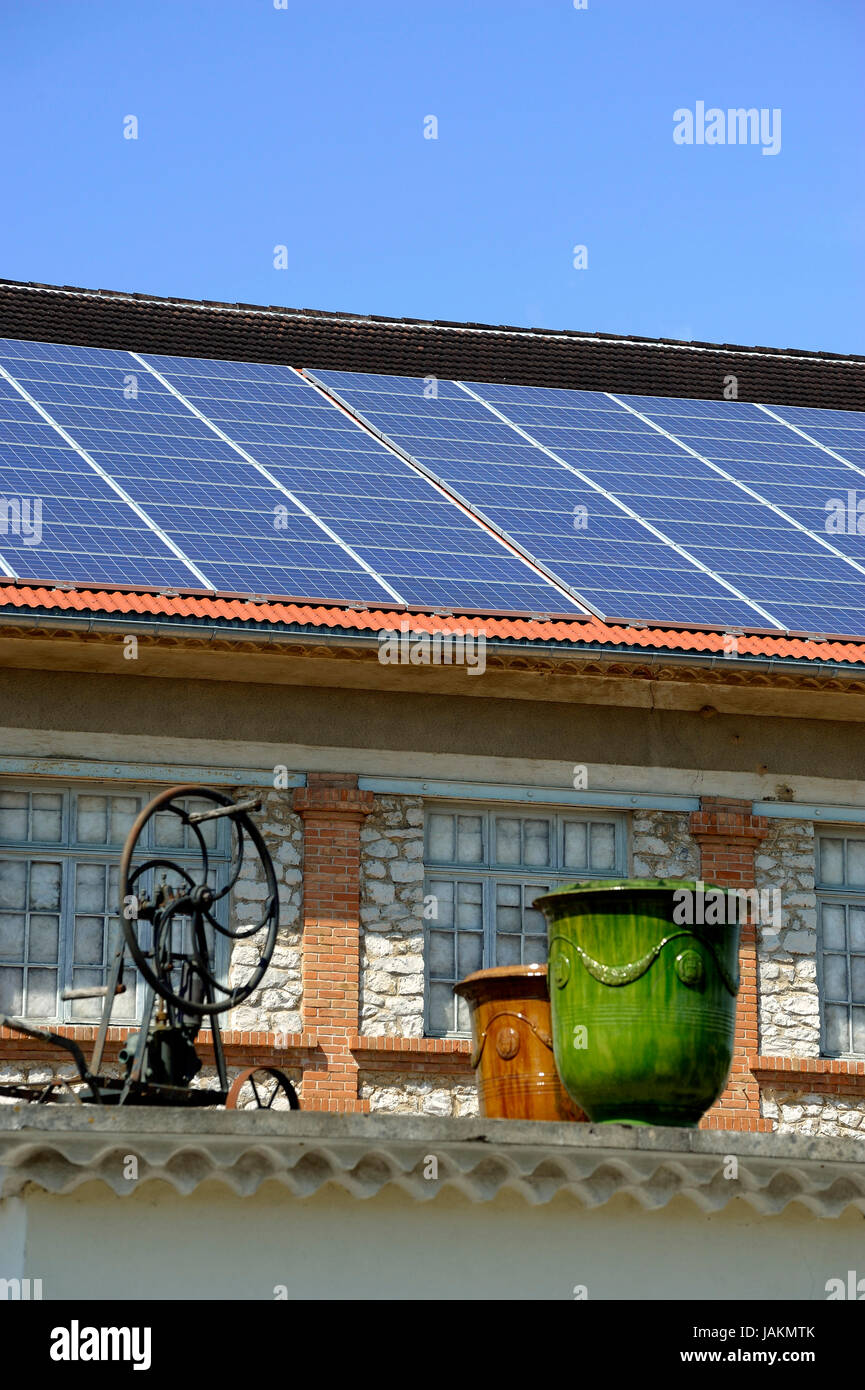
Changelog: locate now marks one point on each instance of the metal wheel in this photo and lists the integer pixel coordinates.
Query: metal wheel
(199, 992)
(262, 1088)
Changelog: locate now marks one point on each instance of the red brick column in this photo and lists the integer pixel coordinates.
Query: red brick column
(333, 811)
(728, 836)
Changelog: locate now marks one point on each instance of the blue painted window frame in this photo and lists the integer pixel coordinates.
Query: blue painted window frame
(489, 875)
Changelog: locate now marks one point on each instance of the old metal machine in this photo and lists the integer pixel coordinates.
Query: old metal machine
(170, 922)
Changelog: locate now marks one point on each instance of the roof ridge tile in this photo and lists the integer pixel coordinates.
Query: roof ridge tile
(574, 336)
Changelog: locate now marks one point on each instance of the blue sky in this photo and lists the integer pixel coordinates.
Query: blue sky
(303, 127)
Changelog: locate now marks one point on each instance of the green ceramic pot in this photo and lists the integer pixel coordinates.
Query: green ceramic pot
(643, 997)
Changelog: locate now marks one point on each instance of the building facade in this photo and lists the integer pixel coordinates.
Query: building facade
(415, 809)
(412, 827)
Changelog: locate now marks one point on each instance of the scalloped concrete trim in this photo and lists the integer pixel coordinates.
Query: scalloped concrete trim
(57, 1150)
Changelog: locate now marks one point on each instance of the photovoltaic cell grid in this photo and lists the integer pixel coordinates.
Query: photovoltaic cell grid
(717, 489)
(614, 561)
(805, 583)
(732, 510)
(411, 535)
(240, 531)
(796, 577)
(240, 527)
(70, 524)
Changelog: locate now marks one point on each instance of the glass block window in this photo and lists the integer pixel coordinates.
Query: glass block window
(484, 869)
(59, 903)
(841, 950)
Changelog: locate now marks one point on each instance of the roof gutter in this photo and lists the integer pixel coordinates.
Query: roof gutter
(132, 625)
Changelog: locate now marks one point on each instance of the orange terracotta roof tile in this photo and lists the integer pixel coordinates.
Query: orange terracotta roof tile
(588, 631)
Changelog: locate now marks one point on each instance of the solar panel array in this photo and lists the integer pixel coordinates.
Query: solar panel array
(208, 465)
(781, 550)
(157, 471)
(70, 523)
(424, 548)
(695, 511)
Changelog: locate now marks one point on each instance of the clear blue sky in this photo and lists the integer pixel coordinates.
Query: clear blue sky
(304, 127)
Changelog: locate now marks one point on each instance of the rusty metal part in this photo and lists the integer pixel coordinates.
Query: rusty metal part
(262, 1090)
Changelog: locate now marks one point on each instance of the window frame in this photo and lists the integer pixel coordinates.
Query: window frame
(69, 854)
(490, 874)
(844, 896)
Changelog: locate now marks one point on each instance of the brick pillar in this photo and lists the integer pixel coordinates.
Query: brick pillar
(333, 810)
(728, 836)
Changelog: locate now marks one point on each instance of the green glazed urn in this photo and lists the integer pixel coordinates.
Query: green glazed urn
(643, 978)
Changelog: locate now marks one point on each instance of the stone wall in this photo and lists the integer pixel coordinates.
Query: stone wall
(789, 1002)
(789, 1007)
(391, 914)
(37, 1073)
(410, 1094)
(662, 845)
(276, 1005)
(810, 1112)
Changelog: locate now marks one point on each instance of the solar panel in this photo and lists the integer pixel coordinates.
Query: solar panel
(616, 561)
(245, 477)
(241, 533)
(427, 549)
(681, 470)
(60, 521)
(800, 573)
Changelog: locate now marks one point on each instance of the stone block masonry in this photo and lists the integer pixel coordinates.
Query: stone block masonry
(814, 1112)
(275, 1007)
(787, 958)
(407, 1094)
(662, 845)
(391, 912)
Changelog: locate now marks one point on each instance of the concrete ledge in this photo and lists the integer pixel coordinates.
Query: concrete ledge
(59, 1148)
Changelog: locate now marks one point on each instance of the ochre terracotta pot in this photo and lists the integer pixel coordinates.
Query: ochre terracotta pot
(513, 1045)
(643, 998)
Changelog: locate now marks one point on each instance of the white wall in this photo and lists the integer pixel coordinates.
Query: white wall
(156, 1244)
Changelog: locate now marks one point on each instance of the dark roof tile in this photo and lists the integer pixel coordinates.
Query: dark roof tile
(403, 347)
